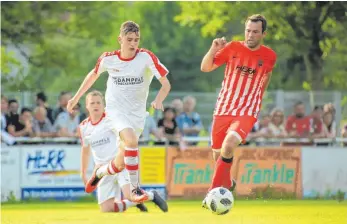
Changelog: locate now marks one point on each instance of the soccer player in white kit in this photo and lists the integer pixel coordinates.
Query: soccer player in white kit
(131, 71)
(98, 138)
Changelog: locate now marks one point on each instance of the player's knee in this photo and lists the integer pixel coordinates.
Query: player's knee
(106, 209)
(215, 155)
(229, 144)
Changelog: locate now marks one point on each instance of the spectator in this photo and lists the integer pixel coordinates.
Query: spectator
(344, 133)
(41, 101)
(177, 104)
(64, 97)
(42, 126)
(23, 127)
(150, 128)
(4, 111)
(298, 125)
(260, 129)
(12, 115)
(276, 126)
(316, 122)
(66, 124)
(168, 126)
(189, 121)
(329, 126)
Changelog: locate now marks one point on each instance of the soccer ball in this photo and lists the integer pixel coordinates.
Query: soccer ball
(219, 200)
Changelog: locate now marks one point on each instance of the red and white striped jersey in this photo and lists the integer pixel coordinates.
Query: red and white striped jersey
(245, 73)
(129, 80)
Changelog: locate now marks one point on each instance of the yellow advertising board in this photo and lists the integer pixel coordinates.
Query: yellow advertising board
(152, 165)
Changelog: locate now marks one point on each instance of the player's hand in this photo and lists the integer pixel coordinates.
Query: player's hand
(71, 104)
(157, 105)
(218, 44)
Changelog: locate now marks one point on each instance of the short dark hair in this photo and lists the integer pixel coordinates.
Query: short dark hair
(25, 109)
(12, 101)
(298, 103)
(318, 107)
(258, 18)
(41, 96)
(129, 27)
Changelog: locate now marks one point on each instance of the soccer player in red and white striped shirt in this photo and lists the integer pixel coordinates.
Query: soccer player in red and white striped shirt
(249, 65)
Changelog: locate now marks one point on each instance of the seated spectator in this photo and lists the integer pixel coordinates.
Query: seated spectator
(329, 126)
(42, 126)
(41, 101)
(317, 122)
(189, 122)
(23, 127)
(298, 125)
(66, 124)
(149, 128)
(168, 126)
(64, 98)
(276, 127)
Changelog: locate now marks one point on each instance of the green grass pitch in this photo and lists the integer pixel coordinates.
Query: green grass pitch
(180, 212)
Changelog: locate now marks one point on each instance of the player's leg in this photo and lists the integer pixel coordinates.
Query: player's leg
(153, 196)
(109, 196)
(113, 167)
(237, 132)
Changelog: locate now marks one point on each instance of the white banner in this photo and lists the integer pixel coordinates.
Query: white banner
(324, 171)
(10, 173)
(51, 166)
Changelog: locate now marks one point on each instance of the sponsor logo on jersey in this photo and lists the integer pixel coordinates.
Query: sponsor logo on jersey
(127, 80)
(100, 142)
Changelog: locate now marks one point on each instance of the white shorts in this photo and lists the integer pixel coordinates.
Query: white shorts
(119, 122)
(111, 186)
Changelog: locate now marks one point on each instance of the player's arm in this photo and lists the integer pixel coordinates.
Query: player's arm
(162, 94)
(85, 156)
(88, 81)
(215, 57)
(160, 72)
(267, 80)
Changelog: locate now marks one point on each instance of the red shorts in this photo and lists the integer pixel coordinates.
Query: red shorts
(221, 125)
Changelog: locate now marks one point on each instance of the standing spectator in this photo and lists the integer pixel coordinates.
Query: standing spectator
(66, 124)
(177, 104)
(344, 133)
(42, 126)
(298, 125)
(64, 97)
(23, 127)
(189, 121)
(168, 126)
(41, 101)
(276, 126)
(316, 122)
(4, 111)
(329, 126)
(12, 115)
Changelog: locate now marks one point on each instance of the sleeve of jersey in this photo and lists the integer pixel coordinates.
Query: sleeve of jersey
(273, 62)
(157, 68)
(99, 68)
(82, 139)
(222, 55)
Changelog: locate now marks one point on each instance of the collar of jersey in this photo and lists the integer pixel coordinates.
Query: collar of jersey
(127, 59)
(103, 115)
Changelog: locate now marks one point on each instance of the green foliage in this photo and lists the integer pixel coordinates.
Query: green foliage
(61, 41)
(307, 36)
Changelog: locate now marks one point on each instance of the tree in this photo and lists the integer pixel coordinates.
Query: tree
(304, 34)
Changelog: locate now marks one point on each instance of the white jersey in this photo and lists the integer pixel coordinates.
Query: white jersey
(129, 79)
(101, 138)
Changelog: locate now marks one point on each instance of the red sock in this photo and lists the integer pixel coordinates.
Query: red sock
(120, 206)
(221, 175)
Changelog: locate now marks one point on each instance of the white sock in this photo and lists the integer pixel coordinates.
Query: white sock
(150, 195)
